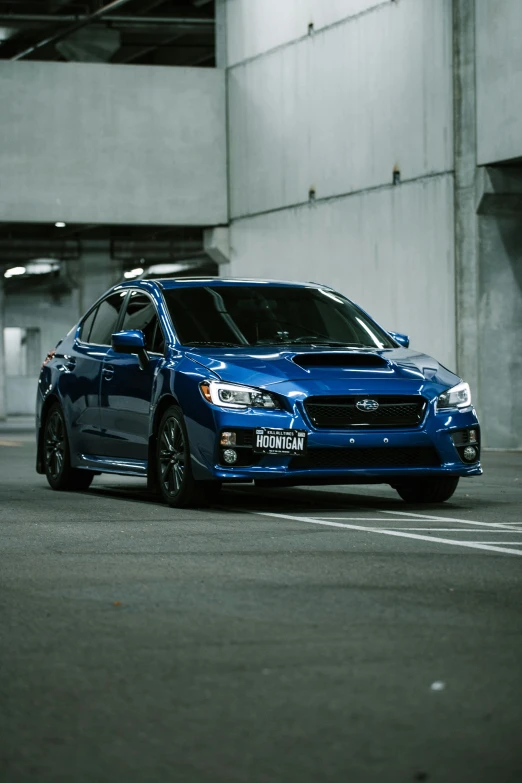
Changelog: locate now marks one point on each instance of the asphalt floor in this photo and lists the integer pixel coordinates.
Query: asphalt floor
(284, 636)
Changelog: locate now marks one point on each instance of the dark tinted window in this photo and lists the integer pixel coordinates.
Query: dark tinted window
(158, 345)
(85, 329)
(106, 319)
(141, 314)
(268, 315)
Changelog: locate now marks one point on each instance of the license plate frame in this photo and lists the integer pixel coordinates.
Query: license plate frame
(268, 440)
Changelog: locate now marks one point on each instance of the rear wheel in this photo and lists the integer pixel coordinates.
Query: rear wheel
(58, 470)
(177, 485)
(427, 490)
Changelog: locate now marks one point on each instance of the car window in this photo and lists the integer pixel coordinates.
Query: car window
(85, 328)
(106, 319)
(141, 314)
(158, 344)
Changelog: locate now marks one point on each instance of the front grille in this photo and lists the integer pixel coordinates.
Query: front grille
(342, 413)
(380, 457)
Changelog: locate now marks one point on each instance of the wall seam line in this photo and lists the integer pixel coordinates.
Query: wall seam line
(306, 37)
(340, 196)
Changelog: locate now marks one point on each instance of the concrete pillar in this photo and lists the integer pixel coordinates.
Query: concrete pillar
(3, 390)
(500, 325)
(466, 222)
(98, 272)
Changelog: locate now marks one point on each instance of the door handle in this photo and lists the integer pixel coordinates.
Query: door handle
(108, 372)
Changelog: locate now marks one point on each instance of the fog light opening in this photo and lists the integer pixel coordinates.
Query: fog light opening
(230, 456)
(470, 454)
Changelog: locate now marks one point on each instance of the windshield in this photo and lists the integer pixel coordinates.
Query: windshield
(270, 315)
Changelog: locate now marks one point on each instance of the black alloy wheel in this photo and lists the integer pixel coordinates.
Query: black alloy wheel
(427, 490)
(177, 485)
(58, 470)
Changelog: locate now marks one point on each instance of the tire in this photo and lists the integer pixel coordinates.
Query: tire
(427, 490)
(56, 456)
(177, 485)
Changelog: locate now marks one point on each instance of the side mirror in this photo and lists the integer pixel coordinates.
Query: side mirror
(131, 341)
(402, 339)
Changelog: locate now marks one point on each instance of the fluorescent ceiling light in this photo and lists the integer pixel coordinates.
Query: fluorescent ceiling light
(42, 266)
(6, 33)
(60, 224)
(14, 271)
(168, 269)
(133, 273)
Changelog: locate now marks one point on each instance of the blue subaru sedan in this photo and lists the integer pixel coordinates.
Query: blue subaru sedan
(193, 383)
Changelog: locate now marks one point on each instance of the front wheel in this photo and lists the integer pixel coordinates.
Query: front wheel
(57, 463)
(427, 490)
(177, 485)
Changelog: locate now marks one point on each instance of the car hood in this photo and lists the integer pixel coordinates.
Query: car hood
(323, 367)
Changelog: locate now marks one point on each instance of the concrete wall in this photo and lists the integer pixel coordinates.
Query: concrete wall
(53, 318)
(498, 32)
(96, 143)
(54, 311)
(256, 26)
(499, 80)
(500, 330)
(21, 395)
(389, 249)
(338, 111)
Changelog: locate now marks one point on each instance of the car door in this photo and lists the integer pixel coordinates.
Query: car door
(126, 388)
(80, 384)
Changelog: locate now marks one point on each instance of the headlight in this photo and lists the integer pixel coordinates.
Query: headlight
(458, 396)
(231, 395)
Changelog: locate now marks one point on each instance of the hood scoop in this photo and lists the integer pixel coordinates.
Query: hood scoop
(339, 359)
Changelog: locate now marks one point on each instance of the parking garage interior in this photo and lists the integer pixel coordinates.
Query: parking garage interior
(374, 146)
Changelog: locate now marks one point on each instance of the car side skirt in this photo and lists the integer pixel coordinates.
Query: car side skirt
(123, 467)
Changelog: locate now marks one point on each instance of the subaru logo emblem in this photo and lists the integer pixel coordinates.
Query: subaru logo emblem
(367, 405)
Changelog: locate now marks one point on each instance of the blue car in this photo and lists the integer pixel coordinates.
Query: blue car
(193, 383)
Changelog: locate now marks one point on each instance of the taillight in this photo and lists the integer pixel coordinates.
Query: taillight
(49, 357)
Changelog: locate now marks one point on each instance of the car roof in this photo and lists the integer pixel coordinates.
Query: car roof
(183, 282)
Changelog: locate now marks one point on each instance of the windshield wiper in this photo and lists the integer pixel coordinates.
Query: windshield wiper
(214, 343)
(331, 343)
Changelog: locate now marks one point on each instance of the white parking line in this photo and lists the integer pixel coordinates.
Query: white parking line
(426, 527)
(512, 543)
(433, 518)
(383, 532)
(364, 519)
(500, 527)
(458, 530)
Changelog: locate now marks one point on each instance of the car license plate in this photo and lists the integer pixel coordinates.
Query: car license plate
(267, 441)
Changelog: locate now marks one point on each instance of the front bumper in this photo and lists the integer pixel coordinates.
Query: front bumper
(434, 435)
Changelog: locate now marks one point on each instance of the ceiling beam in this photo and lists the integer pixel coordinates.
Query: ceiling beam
(174, 21)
